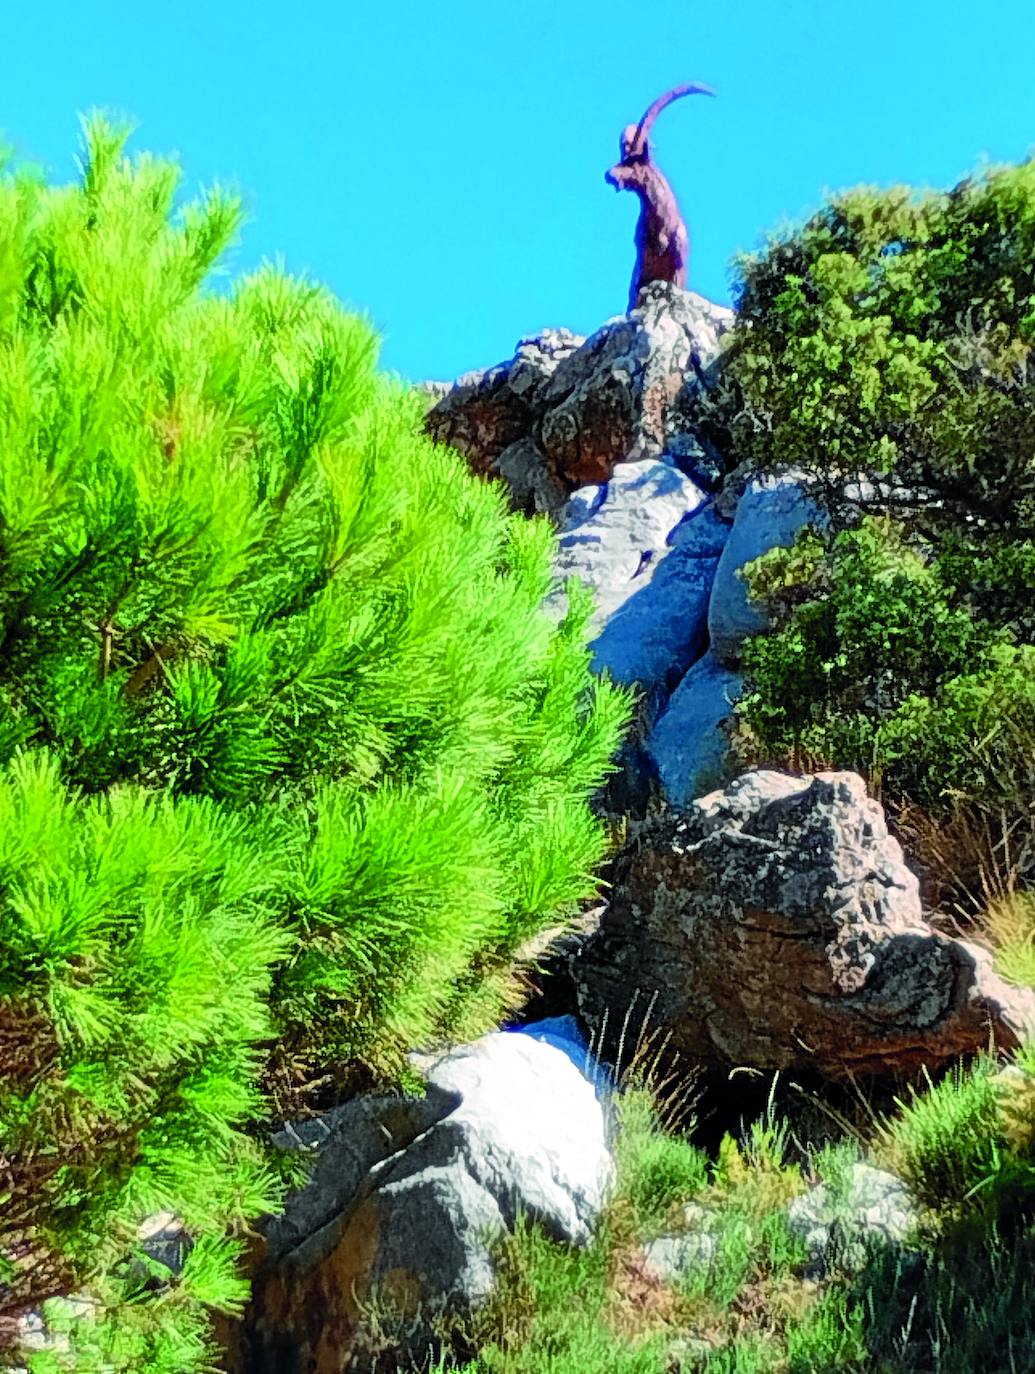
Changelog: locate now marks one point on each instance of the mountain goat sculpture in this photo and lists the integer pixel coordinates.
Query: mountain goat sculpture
(662, 240)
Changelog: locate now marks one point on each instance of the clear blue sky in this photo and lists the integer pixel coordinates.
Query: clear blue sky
(441, 167)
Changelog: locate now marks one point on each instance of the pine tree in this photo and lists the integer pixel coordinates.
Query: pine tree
(291, 762)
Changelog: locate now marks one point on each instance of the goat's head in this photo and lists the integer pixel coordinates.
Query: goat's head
(633, 146)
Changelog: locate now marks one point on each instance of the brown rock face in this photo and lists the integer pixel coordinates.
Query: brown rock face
(313, 1309)
(775, 925)
(487, 411)
(565, 409)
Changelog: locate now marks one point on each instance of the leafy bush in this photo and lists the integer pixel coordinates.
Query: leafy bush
(965, 734)
(891, 335)
(862, 628)
(884, 349)
(878, 663)
(291, 763)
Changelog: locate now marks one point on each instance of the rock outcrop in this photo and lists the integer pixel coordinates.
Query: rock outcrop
(775, 924)
(599, 435)
(564, 410)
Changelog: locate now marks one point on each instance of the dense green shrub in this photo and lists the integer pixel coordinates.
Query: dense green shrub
(889, 341)
(891, 334)
(290, 760)
(879, 663)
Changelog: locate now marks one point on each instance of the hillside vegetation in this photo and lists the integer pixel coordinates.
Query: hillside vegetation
(885, 348)
(291, 765)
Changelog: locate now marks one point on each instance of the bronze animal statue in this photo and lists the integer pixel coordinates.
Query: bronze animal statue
(662, 241)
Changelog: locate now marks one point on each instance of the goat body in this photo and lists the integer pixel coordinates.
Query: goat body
(662, 240)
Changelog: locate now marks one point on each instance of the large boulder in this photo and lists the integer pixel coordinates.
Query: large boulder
(769, 513)
(686, 744)
(405, 1194)
(774, 924)
(646, 544)
(564, 410)
(618, 536)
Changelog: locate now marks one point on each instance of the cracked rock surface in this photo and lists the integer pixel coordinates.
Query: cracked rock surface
(775, 924)
(565, 409)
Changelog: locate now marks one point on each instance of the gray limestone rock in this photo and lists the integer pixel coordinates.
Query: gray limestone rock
(839, 1224)
(769, 513)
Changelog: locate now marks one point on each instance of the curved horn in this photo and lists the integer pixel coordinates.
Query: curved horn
(643, 128)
